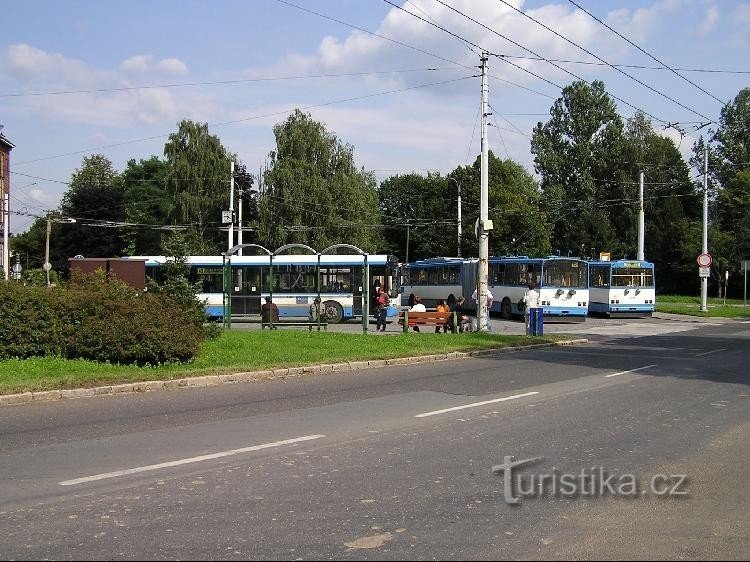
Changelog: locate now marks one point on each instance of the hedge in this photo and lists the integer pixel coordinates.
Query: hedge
(98, 320)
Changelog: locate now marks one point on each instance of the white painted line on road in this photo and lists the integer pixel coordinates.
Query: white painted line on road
(630, 371)
(474, 405)
(180, 462)
(710, 352)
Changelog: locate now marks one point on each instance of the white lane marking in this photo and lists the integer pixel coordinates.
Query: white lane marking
(180, 462)
(630, 371)
(710, 352)
(474, 405)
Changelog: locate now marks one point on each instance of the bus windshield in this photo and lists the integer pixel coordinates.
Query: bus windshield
(564, 273)
(632, 277)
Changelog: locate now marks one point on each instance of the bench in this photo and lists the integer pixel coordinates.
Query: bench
(411, 319)
(283, 324)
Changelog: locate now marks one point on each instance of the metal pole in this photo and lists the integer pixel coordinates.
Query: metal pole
(231, 205)
(365, 296)
(46, 248)
(641, 224)
(484, 245)
(704, 280)
(239, 223)
(6, 228)
(459, 219)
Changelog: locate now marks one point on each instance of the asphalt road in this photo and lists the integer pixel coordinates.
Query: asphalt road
(396, 463)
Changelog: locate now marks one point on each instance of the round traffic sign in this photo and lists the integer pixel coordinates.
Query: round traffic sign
(705, 260)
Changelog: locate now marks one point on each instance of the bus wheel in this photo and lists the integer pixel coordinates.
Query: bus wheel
(505, 310)
(333, 312)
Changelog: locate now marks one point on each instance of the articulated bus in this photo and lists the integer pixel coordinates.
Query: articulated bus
(562, 284)
(291, 281)
(433, 280)
(622, 288)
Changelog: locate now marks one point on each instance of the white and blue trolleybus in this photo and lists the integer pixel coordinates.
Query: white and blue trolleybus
(293, 281)
(622, 288)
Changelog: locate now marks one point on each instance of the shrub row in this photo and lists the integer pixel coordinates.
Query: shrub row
(98, 320)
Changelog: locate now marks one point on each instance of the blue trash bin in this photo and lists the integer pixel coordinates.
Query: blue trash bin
(536, 321)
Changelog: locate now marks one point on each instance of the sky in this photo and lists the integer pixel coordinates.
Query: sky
(114, 78)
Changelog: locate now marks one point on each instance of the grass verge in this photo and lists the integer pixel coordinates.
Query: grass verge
(675, 304)
(236, 351)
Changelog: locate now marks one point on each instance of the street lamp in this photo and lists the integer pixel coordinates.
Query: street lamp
(458, 244)
(47, 265)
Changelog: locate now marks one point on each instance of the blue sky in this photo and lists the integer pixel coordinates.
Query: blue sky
(261, 56)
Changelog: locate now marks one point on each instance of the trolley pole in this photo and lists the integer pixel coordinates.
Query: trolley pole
(231, 205)
(483, 227)
(641, 224)
(704, 280)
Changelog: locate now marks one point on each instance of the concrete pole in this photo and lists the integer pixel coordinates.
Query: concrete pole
(704, 280)
(484, 244)
(239, 223)
(231, 205)
(641, 225)
(6, 230)
(46, 248)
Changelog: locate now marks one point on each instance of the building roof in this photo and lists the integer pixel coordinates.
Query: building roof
(5, 142)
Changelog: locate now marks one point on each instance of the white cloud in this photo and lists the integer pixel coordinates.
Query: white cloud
(146, 64)
(741, 18)
(24, 62)
(710, 21)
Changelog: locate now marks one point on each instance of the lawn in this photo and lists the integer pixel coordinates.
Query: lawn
(236, 351)
(675, 304)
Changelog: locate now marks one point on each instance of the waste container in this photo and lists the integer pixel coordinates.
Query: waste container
(536, 321)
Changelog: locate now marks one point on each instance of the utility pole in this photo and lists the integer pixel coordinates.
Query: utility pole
(641, 224)
(239, 221)
(458, 246)
(484, 225)
(6, 226)
(231, 205)
(704, 280)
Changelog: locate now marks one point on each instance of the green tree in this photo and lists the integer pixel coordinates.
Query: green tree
(148, 204)
(198, 180)
(729, 188)
(428, 206)
(313, 192)
(520, 224)
(576, 152)
(95, 200)
(671, 206)
(419, 216)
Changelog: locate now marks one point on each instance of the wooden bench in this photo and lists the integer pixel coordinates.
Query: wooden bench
(411, 319)
(284, 324)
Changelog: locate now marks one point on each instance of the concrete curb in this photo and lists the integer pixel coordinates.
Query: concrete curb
(281, 373)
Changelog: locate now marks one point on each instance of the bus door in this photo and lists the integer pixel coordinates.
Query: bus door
(246, 291)
(357, 291)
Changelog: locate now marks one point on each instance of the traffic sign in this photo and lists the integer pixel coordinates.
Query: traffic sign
(705, 260)
(704, 272)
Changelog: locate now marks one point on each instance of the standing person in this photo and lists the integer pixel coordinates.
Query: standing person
(531, 300)
(442, 307)
(381, 314)
(269, 312)
(418, 307)
(314, 313)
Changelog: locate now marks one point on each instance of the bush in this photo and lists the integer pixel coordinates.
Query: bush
(94, 319)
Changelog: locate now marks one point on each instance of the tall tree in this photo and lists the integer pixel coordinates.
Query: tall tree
(198, 180)
(427, 206)
(729, 174)
(95, 200)
(671, 204)
(147, 204)
(577, 152)
(313, 192)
